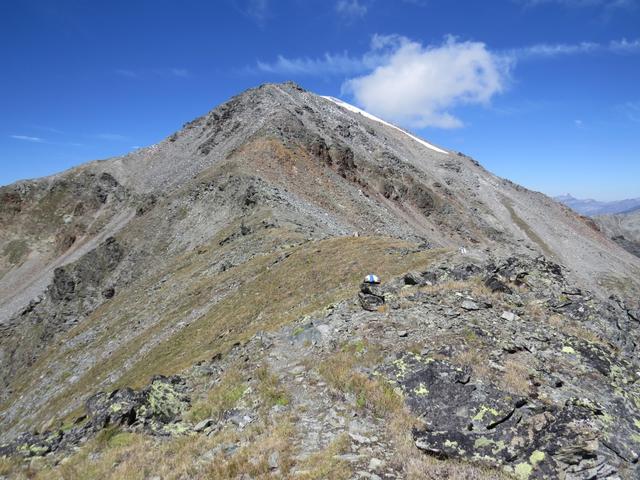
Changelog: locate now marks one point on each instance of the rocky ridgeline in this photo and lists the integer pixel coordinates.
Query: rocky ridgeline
(506, 364)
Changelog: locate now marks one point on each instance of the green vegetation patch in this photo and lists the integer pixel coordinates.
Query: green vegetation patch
(16, 251)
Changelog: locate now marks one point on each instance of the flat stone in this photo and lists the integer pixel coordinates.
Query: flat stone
(274, 459)
(241, 420)
(508, 316)
(348, 457)
(469, 305)
(200, 426)
(402, 333)
(370, 476)
(359, 438)
(375, 464)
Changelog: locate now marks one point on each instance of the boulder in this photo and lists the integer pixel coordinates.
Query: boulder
(495, 284)
(117, 408)
(371, 296)
(370, 302)
(413, 278)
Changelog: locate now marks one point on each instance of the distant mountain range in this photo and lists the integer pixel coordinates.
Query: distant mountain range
(592, 208)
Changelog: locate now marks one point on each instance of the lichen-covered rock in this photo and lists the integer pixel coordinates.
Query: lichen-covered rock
(470, 418)
(165, 398)
(118, 408)
(156, 409)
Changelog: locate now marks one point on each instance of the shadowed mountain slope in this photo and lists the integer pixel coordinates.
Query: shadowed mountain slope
(623, 228)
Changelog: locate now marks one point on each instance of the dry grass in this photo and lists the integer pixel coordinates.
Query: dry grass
(253, 460)
(119, 455)
(574, 329)
(477, 360)
(324, 464)
(139, 457)
(537, 309)
(9, 466)
(222, 397)
(339, 372)
(474, 285)
(515, 378)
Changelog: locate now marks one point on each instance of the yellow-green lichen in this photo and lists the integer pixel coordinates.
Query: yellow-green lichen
(164, 400)
(568, 349)
(421, 390)
(484, 410)
(401, 368)
(523, 471)
(482, 442)
(500, 445)
(176, 428)
(536, 457)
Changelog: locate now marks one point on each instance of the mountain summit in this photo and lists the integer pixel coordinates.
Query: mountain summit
(208, 287)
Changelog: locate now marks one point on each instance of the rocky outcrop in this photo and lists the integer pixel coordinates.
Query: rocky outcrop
(470, 419)
(371, 297)
(157, 410)
(75, 291)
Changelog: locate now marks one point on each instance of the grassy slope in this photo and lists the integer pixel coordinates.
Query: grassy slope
(261, 294)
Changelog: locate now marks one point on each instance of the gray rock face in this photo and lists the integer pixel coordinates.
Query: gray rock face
(469, 305)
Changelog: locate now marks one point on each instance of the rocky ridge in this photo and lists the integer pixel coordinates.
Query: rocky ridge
(502, 363)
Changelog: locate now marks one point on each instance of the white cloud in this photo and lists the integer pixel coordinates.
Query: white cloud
(631, 110)
(329, 64)
(625, 46)
(581, 3)
(27, 138)
(562, 49)
(418, 85)
(382, 47)
(351, 8)
(161, 72)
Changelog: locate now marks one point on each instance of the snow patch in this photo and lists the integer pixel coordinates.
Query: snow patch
(351, 108)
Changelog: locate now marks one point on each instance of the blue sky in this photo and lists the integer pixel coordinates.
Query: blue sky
(543, 92)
